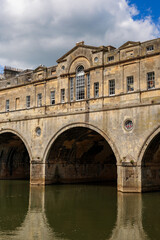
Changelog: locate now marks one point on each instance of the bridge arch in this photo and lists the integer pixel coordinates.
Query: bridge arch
(15, 155)
(80, 149)
(149, 160)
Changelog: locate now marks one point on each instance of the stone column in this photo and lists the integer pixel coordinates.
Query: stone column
(129, 177)
(37, 172)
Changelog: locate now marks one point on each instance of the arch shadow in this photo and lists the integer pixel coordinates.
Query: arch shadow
(149, 161)
(80, 152)
(15, 156)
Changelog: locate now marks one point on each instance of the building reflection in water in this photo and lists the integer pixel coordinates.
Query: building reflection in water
(129, 218)
(77, 212)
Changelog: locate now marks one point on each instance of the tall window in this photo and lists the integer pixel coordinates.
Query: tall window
(39, 100)
(111, 87)
(52, 97)
(80, 83)
(130, 84)
(88, 85)
(7, 105)
(62, 95)
(96, 89)
(150, 80)
(28, 101)
(71, 88)
(17, 103)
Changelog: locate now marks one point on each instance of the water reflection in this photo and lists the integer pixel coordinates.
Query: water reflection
(14, 197)
(151, 215)
(75, 212)
(129, 218)
(81, 211)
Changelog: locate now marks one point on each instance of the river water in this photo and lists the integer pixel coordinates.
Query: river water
(76, 212)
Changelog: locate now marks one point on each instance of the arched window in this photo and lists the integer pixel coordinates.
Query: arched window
(80, 83)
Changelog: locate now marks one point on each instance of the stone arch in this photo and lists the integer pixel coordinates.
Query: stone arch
(146, 143)
(149, 160)
(15, 155)
(8, 130)
(80, 60)
(91, 134)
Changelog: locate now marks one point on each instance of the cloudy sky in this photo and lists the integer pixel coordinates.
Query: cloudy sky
(35, 32)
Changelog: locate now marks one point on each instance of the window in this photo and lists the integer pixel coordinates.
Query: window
(39, 100)
(130, 84)
(52, 97)
(28, 101)
(7, 105)
(150, 80)
(111, 58)
(111, 87)
(17, 103)
(150, 48)
(88, 85)
(62, 95)
(80, 83)
(128, 125)
(96, 89)
(129, 53)
(71, 88)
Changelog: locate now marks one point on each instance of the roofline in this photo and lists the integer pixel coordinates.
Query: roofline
(74, 48)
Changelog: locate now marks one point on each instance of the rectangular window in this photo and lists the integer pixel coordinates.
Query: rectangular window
(71, 88)
(111, 58)
(39, 100)
(62, 95)
(96, 89)
(28, 101)
(7, 105)
(130, 84)
(111, 87)
(150, 48)
(80, 86)
(17, 103)
(88, 85)
(150, 80)
(52, 97)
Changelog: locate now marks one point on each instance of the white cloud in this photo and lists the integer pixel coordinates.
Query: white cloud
(37, 32)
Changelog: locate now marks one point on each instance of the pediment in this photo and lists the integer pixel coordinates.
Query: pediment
(78, 45)
(129, 44)
(40, 68)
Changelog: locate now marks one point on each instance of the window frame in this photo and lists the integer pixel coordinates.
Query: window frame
(150, 48)
(150, 80)
(52, 97)
(39, 100)
(80, 83)
(112, 87)
(96, 89)
(7, 105)
(130, 81)
(111, 58)
(88, 86)
(28, 101)
(71, 88)
(63, 95)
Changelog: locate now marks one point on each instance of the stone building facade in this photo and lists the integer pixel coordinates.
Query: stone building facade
(94, 117)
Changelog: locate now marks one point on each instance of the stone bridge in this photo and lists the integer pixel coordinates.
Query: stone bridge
(95, 117)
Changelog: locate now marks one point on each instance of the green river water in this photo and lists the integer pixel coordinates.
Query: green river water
(76, 212)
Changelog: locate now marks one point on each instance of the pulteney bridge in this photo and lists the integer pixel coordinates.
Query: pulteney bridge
(94, 117)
